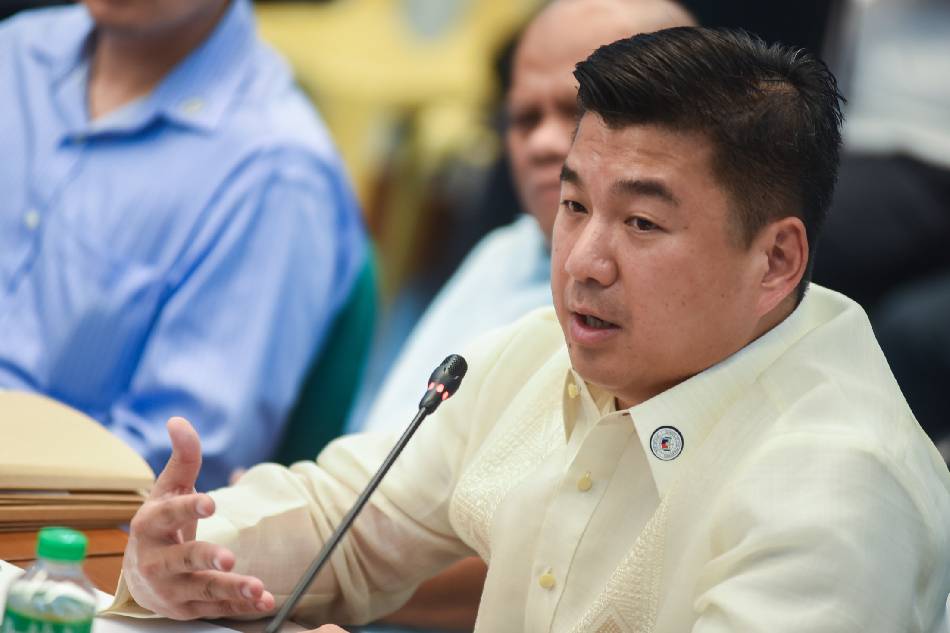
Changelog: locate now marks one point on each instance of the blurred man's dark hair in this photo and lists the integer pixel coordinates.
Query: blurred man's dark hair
(771, 112)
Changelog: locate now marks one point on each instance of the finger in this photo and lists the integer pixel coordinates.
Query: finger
(162, 519)
(214, 586)
(192, 557)
(181, 471)
(236, 475)
(229, 608)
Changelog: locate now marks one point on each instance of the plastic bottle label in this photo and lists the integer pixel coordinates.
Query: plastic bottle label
(14, 622)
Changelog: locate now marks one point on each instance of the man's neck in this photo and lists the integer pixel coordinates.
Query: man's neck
(126, 66)
(764, 325)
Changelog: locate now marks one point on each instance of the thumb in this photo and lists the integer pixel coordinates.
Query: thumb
(181, 471)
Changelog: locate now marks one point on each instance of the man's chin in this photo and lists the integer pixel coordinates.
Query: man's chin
(118, 24)
(593, 366)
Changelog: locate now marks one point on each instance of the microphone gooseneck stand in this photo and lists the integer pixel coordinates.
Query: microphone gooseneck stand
(443, 382)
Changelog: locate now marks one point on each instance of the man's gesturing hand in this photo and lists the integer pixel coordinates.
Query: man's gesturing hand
(165, 568)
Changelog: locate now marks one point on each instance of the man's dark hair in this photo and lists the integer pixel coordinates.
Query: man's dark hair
(771, 112)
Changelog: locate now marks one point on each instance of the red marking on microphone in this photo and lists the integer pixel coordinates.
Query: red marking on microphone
(440, 388)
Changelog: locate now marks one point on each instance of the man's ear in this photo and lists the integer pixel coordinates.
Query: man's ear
(784, 243)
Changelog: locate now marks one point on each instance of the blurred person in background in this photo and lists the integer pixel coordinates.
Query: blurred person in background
(176, 232)
(508, 273)
(887, 239)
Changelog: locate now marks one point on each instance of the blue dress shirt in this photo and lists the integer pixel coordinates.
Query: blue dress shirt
(183, 255)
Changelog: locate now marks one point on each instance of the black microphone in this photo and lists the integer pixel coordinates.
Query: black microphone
(443, 383)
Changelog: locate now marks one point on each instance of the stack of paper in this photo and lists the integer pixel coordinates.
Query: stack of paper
(58, 466)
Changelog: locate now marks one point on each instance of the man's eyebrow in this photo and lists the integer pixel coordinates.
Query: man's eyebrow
(645, 187)
(636, 187)
(569, 175)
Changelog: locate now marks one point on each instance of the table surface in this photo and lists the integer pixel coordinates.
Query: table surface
(103, 555)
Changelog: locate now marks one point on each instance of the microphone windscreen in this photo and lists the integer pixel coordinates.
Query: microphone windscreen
(455, 368)
(444, 381)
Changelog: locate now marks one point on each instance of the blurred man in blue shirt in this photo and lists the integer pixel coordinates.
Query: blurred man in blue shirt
(176, 230)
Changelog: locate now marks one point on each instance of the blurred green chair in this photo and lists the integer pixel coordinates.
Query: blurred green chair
(332, 382)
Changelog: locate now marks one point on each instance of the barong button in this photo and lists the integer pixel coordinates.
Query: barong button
(585, 483)
(546, 580)
(572, 391)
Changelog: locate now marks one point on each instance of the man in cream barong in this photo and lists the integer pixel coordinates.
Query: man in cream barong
(691, 440)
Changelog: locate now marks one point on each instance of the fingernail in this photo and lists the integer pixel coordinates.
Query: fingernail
(261, 606)
(246, 592)
(204, 507)
(218, 564)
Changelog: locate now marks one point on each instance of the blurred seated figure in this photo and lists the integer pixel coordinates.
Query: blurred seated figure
(509, 272)
(177, 232)
(887, 239)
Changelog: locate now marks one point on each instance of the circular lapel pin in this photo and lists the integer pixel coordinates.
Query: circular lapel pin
(666, 443)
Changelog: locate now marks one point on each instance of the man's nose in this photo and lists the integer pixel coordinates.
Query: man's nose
(591, 259)
(550, 140)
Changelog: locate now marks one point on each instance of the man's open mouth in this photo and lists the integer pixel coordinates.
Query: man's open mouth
(594, 322)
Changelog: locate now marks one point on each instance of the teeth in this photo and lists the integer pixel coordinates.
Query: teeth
(592, 321)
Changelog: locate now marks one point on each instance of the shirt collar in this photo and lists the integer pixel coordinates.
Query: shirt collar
(692, 407)
(200, 89)
(196, 93)
(63, 45)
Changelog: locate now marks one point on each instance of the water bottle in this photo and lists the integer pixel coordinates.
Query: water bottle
(54, 595)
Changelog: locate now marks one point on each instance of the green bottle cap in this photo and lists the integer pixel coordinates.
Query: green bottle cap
(61, 544)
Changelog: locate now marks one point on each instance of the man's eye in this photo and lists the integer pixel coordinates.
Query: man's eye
(642, 224)
(573, 207)
(524, 120)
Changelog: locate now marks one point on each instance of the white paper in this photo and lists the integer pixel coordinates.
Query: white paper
(8, 573)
